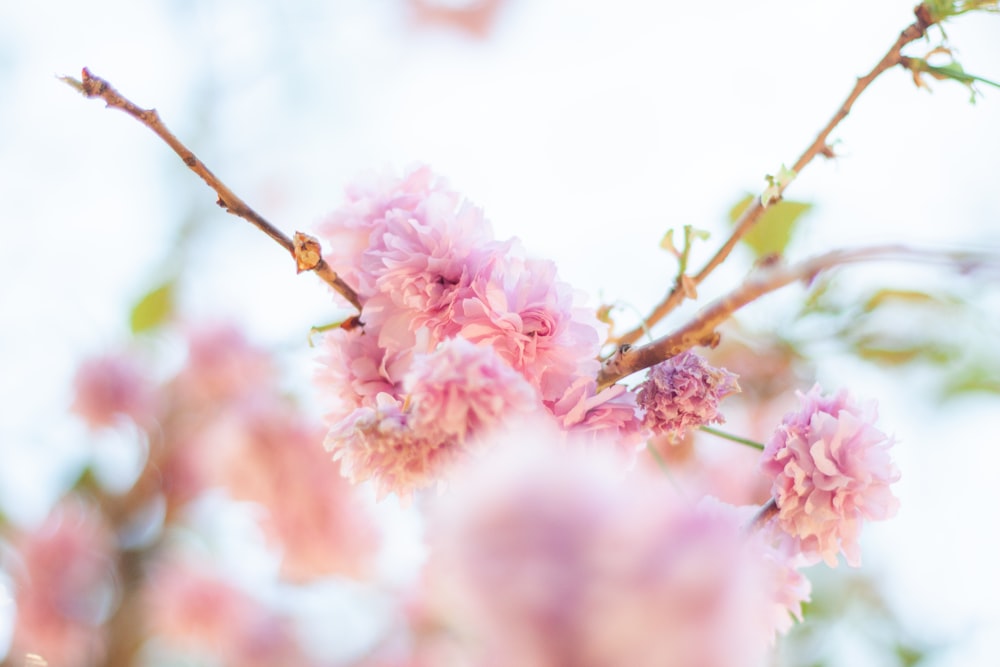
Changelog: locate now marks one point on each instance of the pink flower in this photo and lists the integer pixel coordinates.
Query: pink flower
(529, 317)
(64, 587)
(831, 469)
(378, 443)
(269, 455)
(359, 225)
(355, 369)
(463, 391)
(425, 261)
(610, 414)
(683, 393)
(110, 388)
(548, 555)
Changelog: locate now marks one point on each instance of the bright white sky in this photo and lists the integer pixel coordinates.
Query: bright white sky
(585, 130)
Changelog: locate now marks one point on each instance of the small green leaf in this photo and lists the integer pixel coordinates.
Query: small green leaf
(667, 243)
(776, 185)
(774, 230)
(820, 299)
(909, 656)
(943, 9)
(153, 309)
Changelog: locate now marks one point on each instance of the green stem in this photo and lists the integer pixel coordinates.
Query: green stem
(735, 438)
(659, 459)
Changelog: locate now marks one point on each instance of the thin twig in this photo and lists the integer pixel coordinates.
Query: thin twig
(304, 249)
(701, 330)
(683, 284)
(732, 438)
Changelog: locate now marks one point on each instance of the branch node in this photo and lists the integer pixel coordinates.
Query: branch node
(306, 251)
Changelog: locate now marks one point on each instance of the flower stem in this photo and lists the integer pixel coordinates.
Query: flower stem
(735, 438)
(658, 458)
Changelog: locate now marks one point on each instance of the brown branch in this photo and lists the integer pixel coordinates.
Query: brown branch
(753, 213)
(307, 255)
(702, 329)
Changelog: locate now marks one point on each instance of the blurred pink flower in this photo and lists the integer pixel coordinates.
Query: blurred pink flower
(270, 455)
(377, 443)
(110, 388)
(518, 307)
(779, 561)
(791, 588)
(463, 391)
(475, 17)
(831, 470)
(194, 610)
(354, 369)
(64, 586)
(546, 556)
(682, 393)
(221, 366)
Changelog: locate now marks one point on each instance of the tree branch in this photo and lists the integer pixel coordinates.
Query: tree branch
(683, 284)
(305, 250)
(702, 329)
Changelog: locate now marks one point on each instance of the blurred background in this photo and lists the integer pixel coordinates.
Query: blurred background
(587, 129)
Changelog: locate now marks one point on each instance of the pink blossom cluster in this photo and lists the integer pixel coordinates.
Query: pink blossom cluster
(222, 421)
(683, 393)
(830, 470)
(459, 331)
(546, 555)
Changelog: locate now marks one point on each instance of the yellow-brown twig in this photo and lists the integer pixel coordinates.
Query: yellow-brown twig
(702, 329)
(307, 255)
(753, 213)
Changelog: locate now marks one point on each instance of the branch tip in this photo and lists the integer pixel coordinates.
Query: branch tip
(304, 249)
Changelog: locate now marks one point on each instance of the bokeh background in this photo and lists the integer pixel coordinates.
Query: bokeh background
(585, 128)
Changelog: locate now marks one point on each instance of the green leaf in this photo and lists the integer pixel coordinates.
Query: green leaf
(973, 378)
(883, 348)
(774, 230)
(667, 243)
(888, 295)
(153, 309)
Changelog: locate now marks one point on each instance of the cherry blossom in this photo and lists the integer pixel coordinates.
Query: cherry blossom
(830, 470)
(682, 393)
(463, 391)
(377, 443)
